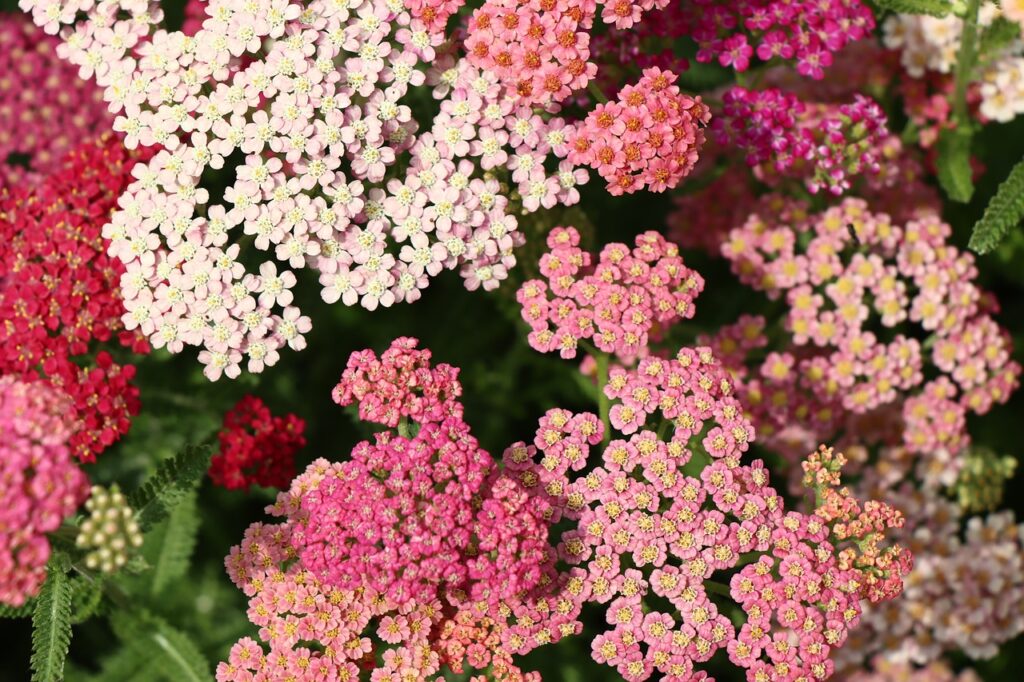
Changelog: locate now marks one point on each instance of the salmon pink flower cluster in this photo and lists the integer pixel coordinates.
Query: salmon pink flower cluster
(256, 447)
(847, 274)
(334, 172)
(618, 303)
(824, 145)
(44, 109)
(648, 138)
(660, 515)
(59, 295)
(540, 50)
(39, 483)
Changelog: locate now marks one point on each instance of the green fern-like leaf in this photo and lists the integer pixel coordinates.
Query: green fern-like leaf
(955, 165)
(1002, 214)
(172, 481)
(125, 665)
(176, 656)
(169, 546)
(935, 8)
(998, 36)
(86, 599)
(51, 624)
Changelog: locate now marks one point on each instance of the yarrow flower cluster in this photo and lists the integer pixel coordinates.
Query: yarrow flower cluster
(620, 303)
(807, 31)
(40, 483)
(110, 532)
(863, 294)
(540, 50)
(659, 516)
(256, 447)
(420, 539)
(336, 174)
(45, 110)
(825, 145)
(648, 138)
(59, 296)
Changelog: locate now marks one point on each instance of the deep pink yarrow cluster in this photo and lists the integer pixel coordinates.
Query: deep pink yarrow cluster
(40, 483)
(617, 303)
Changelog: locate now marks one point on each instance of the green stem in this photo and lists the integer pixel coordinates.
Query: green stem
(604, 403)
(596, 93)
(966, 60)
(717, 587)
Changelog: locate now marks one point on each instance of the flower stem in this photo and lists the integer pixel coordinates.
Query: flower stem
(965, 61)
(603, 402)
(596, 92)
(717, 587)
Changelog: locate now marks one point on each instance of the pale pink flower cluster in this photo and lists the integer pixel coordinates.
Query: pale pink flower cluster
(540, 49)
(648, 138)
(875, 311)
(882, 670)
(336, 174)
(620, 303)
(668, 507)
(40, 484)
(929, 45)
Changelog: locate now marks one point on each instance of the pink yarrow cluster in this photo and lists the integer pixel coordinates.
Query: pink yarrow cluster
(416, 555)
(337, 175)
(648, 138)
(848, 272)
(44, 109)
(40, 483)
(618, 303)
(540, 50)
(824, 145)
(661, 515)
(807, 31)
(404, 515)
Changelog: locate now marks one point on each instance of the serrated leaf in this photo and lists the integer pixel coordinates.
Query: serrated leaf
(170, 545)
(23, 611)
(954, 164)
(173, 480)
(51, 624)
(1003, 213)
(934, 8)
(126, 665)
(176, 655)
(86, 597)
(998, 36)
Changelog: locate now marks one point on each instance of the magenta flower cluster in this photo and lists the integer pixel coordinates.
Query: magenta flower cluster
(824, 145)
(40, 483)
(618, 304)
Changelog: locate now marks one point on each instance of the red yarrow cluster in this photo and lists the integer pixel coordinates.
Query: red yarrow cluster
(60, 300)
(256, 447)
(45, 108)
(620, 303)
(40, 484)
(647, 139)
(824, 145)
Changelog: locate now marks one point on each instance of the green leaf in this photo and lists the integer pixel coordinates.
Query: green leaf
(1004, 212)
(86, 598)
(126, 665)
(998, 36)
(170, 545)
(23, 611)
(176, 656)
(51, 624)
(934, 8)
(173, 480)
(955, 164)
